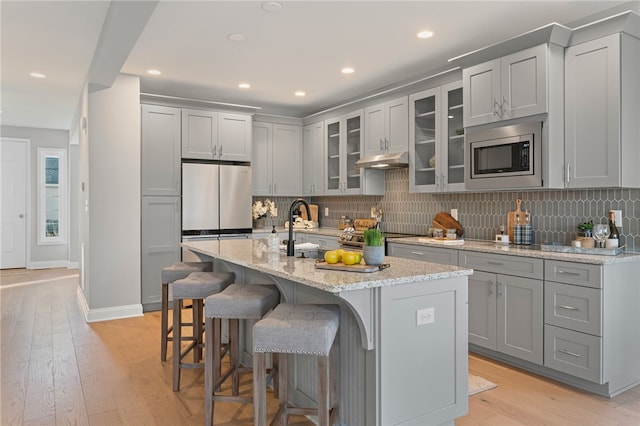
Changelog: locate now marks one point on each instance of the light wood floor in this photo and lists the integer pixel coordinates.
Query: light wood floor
(57, 369)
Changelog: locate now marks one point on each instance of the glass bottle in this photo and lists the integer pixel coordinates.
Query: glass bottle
(274, 242)
(614, 235)
(517, 231)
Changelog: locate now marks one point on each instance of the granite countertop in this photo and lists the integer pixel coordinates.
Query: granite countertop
(331, 232)
(254, 254)
(525, 251)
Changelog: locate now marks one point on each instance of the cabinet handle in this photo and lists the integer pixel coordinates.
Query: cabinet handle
(499, 289)
(220, 152)
(275, 189)
(491, 284)
(562, 351)
(213, 151)
(570, 308)
(386, 144)
(497, 106)
(568, 172)
(561, 272)
(417, 253)
(505, 110)
(491, 262)
(381, 148)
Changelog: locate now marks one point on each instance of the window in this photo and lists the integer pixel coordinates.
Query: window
(52, 196)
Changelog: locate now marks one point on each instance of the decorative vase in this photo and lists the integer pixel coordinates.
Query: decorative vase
(258, 223)
(373, 255)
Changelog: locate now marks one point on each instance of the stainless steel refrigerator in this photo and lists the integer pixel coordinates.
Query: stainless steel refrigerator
(216, 201)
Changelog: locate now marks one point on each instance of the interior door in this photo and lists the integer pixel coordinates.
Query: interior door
(14, 203)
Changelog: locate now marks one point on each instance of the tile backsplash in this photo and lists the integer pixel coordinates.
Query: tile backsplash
(555, 213)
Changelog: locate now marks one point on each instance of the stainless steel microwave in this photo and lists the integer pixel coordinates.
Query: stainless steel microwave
(504, 157)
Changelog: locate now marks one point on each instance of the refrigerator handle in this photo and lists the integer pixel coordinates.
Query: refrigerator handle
(220, 152)
(213, 150)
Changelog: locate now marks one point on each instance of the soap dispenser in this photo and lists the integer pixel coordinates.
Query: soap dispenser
(274, 242)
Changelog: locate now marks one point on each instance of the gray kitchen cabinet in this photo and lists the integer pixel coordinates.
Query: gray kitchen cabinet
(506, 311)
(386, 127)
(436, 140)
(160, 152)
(512, 86)
(211, 135)
(602, 106)
(423, 253)
(160, 242)
(327, 242)
(313, 159)
(276, 166)
(592, 324)
(343, 147)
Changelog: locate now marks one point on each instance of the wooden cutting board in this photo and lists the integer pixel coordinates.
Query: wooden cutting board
(511, 218)
(444, 221)
(314, 212)
(350, 268)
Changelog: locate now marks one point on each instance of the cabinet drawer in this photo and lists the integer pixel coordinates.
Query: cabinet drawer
(526, 267)
(573, 307)
(573, 273)
(425, 254)
(573, 353)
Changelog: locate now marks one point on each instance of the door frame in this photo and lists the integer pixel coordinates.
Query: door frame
(28, 210)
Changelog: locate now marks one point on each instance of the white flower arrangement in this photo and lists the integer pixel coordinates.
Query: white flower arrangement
(261, 208)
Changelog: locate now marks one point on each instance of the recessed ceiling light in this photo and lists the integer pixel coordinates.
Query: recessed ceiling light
(271, 6)
(37, 75)
(154, 72)
(244, 85)
(347, 70)
(425, 34)
(300, 93)
(236, 37)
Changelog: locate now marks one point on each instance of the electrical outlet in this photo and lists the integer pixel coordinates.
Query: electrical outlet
(618, 214)
(425, 316)
(326, 211)
(454, 213)
(275, 211)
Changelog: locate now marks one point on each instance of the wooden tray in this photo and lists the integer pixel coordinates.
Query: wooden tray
(321, 264)
(444, 221)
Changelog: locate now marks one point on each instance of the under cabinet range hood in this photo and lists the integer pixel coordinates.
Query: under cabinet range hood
(395, 160)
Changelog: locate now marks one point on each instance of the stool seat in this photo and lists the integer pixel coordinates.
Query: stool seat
(199, 285)
(297, 328)
(242, 301)
(176, 271)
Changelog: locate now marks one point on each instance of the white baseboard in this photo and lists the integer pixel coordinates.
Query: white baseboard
(107, 314)
(48, 264)
(73, 265)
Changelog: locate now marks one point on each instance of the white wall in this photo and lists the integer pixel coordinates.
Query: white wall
(110, 170)
(41, 256)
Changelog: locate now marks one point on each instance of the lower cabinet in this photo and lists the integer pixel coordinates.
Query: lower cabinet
(505, 314)
(424, 253)
(160, 244)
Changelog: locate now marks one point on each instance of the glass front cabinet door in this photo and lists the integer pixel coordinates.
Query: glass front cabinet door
(436, 140)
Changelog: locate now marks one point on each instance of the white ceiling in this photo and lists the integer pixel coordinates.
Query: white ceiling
(301, 47)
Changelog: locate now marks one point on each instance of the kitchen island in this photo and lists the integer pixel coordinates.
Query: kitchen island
(403, 331)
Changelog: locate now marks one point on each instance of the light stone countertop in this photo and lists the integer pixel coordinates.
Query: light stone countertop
(330, 232)
(524, 251)
(254, 254)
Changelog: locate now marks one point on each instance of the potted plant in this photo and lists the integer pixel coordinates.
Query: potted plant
(259, 212)
(585, 229)
(373, 250)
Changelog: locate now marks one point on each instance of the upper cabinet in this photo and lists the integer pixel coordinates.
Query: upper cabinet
(160, 156)
(313, 159)
(602, 107)
(210, 135)
(344, 143)
(436, 140)
(386, 127)
(509, 87)
(276, 166)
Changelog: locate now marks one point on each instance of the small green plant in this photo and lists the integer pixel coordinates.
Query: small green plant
(373, 237)
(586, 226)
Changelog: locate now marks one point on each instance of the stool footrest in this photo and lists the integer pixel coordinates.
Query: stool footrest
(229, 398)
(191, 365)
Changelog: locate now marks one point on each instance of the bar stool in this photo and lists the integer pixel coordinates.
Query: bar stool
(298, 329)
(197, 286)
(177, 271)
(236, 302)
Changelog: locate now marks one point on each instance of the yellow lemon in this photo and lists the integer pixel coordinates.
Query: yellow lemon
(358, 257)
(331, 257)
(349, 258)
(340, 253)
